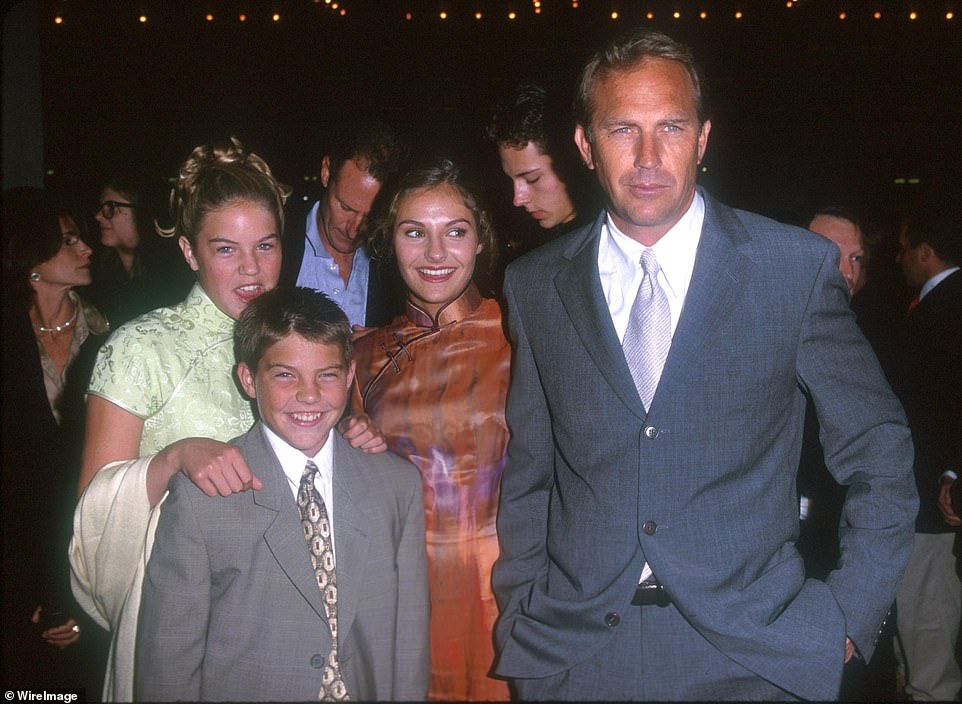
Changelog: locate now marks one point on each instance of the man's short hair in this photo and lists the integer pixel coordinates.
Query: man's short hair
(868, 230)
(627, 52)
(287, 310)
(375, 145)
(939, 225)
(536, 115)
(519, 118)
(842, 212)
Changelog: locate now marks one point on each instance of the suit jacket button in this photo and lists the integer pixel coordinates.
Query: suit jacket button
(650, 527)
(612, 619)
(651, 432)
(317, 662)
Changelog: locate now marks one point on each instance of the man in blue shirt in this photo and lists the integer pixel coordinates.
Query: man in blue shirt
(325, 250)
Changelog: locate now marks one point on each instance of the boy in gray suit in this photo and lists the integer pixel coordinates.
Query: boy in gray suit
(314, 586)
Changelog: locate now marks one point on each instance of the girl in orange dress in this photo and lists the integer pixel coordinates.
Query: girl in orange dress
(435, 381)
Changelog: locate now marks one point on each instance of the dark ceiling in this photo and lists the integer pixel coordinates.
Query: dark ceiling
(806, 105)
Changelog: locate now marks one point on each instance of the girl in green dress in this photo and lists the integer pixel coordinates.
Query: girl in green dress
(162, 398)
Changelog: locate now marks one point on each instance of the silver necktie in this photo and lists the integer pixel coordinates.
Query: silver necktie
(648, 335)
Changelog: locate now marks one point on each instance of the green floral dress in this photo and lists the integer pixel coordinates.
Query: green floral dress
(172, 367)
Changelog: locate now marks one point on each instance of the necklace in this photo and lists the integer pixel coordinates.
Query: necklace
(62, 326)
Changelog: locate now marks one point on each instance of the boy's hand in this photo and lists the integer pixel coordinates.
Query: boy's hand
(363, 434)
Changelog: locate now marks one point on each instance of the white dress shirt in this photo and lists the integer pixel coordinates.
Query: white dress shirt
(936, 280)
(293, 462)
(619, 264)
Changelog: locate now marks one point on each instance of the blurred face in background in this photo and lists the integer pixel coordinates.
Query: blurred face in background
(70, 266)
(537, 187)
(848, 237)
(120, 230)
(913, 259)
(347, 200)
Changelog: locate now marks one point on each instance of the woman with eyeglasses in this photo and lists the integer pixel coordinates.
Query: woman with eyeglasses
(50, 338)
(136, 270)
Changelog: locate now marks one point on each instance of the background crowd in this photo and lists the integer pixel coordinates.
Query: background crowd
(81, 259)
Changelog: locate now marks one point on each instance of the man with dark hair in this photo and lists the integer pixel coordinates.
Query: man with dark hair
(929, 383)
(661, 361)
(534, 144)
(329, 254)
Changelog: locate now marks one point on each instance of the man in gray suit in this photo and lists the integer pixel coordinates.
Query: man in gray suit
(662, 359)
(237, 605)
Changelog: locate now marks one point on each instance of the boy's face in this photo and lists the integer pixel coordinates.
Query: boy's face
(301, 389)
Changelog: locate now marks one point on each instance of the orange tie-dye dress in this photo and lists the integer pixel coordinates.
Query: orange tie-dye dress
(437, 389)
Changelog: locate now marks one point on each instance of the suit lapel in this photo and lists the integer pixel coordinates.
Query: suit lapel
(579, 288)
(284, 534)
(721, 271)
(350, 535)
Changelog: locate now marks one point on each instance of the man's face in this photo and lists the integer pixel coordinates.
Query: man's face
(848, 237)
(646, 144)
(301, 389)
(537, 187)
(912, 260)
(347, 200)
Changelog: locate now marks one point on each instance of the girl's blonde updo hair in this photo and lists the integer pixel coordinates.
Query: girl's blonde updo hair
(216, 175)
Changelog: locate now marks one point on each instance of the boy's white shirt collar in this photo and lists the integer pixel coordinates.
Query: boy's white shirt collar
(293, 461)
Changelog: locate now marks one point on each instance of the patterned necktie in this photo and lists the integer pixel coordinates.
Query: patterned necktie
(317, 532)
(648, 335)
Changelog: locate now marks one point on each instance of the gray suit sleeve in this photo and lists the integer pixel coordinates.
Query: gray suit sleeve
(526, 483)
(867, 447)
(172, 629)
(412, 671)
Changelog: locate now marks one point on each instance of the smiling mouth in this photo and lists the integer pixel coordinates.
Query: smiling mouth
(436, 275)
(305, 418)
